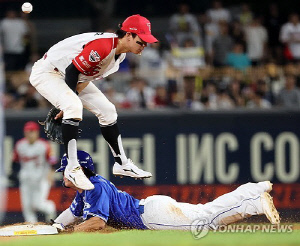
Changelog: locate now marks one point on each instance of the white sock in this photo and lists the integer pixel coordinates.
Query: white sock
(122, 154)
(123, 157)
(72, 154)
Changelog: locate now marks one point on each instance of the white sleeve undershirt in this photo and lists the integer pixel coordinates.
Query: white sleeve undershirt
(66, 217)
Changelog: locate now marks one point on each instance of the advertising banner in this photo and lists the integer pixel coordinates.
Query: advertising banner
(193, 148)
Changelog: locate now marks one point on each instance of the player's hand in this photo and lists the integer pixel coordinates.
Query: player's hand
(59, 115)
(58, 226)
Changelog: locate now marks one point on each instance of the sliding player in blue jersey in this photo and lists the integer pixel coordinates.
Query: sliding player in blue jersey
(106, 205)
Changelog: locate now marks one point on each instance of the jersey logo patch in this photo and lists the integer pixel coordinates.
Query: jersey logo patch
(94, 56)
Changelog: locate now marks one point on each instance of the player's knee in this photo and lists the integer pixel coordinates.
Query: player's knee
(108, 115)
(73, 110)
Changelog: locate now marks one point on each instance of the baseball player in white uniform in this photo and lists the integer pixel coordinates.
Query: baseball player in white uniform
(105, 204)
(63, 76)
(35, 158)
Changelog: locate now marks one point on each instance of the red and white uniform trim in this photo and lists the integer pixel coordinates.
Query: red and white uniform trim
(35, 159)
(93, 54)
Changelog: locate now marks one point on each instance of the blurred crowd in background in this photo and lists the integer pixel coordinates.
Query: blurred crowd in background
(224, 58)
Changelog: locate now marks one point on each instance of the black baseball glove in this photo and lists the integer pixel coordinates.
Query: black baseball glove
(52, 127)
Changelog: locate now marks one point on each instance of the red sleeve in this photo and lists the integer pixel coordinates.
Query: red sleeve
(92, 53)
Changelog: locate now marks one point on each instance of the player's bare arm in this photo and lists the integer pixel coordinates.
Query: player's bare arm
(92, 224)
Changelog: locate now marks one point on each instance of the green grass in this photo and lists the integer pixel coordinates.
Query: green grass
(144, 238)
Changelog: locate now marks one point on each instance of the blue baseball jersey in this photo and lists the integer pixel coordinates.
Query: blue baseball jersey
(115, 207)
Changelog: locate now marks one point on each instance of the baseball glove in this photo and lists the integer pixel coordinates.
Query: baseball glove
(53, 127)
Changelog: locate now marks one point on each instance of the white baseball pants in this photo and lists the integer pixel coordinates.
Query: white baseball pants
(164, 213)
(52, 86)
(34, 197)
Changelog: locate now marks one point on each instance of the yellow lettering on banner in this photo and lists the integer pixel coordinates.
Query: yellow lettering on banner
(25, 232)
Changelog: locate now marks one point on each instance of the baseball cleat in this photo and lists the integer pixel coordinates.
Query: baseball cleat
(130, 170)
(269, 208)
(78, 178)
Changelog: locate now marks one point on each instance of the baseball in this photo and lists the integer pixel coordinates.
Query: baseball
(27, 7)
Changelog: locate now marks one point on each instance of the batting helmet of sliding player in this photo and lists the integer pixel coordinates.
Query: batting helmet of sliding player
(85, 161)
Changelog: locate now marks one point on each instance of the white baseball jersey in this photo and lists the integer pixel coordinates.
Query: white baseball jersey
(93, 54)
(34, 159)
(290, 32)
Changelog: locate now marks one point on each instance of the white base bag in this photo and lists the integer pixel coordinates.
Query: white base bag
(27, 230)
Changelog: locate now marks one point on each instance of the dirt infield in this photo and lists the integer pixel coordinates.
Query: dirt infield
(296, 227)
